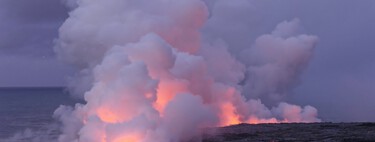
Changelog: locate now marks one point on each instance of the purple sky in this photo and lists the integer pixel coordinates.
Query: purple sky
(339, 80)
(27, 31)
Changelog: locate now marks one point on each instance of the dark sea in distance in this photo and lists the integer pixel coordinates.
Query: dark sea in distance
(29, 108)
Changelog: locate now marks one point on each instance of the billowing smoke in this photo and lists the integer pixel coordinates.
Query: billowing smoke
(154, 77)
(276, 60)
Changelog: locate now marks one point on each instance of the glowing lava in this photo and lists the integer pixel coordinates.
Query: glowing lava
(228, 115)
(165, 93)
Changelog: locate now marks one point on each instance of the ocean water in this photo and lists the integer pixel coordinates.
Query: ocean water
(30, 109)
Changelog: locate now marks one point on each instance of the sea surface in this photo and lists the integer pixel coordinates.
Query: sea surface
(30, 109)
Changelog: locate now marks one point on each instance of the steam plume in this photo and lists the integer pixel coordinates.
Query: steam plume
(152, 77)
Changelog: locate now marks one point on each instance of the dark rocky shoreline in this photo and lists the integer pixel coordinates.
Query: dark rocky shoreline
(286, 132)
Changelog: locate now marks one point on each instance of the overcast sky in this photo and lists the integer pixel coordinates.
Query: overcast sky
(27, 31)
(339, 80)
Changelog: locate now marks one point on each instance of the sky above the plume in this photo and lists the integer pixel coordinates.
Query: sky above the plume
(339, 80)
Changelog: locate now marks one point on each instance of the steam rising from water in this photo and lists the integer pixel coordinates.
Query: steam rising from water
(152, 76)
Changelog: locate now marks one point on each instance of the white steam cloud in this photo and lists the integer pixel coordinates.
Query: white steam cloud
(276, 60)
(154, 77)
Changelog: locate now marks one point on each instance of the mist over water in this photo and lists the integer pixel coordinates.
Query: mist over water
(26, 111)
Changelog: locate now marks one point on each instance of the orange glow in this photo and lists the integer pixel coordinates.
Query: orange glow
(228, 115)
(107, 116)
(254, 120)
(166, 92)
(129, 138)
